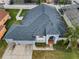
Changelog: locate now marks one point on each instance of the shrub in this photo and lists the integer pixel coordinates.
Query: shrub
(40, 44)
(60, 42)
(2, 43)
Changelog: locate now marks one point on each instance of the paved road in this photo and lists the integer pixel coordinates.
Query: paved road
(19, 52)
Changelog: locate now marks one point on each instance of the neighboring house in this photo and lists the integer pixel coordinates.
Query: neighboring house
(22, 1)
(5, 1)
(72, 13)
(42, 24)
(59, 1)
(1, 1)
(28, 1)
(49, 1)
(3, 18)
(75, 1)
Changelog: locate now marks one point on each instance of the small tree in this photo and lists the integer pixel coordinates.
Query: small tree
(72, 35)
(39, 1)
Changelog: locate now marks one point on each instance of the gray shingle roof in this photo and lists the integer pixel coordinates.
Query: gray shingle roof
(41, 20)
(73, 14)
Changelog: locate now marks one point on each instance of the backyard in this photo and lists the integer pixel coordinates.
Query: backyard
(13, 13)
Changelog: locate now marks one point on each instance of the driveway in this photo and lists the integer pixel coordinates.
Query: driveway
(19, 52)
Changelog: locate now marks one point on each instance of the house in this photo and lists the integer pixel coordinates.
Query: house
(3, 18)
(29, 1)
(4, 1)
(71, 13)
(42, 24)
(75, 1)
(22, 1)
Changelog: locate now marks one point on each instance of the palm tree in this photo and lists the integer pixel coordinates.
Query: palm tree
(72, 35)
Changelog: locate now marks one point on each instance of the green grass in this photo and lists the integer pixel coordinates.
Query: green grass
(3, 46)
(13, 13)
(24, 12)
(56, 54)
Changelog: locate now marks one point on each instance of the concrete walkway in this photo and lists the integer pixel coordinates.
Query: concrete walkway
(19, 52)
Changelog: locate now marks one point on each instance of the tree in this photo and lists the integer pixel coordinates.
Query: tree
(39, 1)
(72, 35)
(61, 1)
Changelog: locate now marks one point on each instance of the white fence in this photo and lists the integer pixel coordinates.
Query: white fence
(18, 17)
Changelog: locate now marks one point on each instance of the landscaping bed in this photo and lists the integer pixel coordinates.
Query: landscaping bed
(40, 45)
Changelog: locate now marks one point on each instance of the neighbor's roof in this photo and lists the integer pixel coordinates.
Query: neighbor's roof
(1, 27)
(72, 12)
(2, 14)
(23, 1)
(41, 20)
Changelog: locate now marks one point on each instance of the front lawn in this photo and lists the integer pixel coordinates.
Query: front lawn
(56, 54)
(3, 46)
